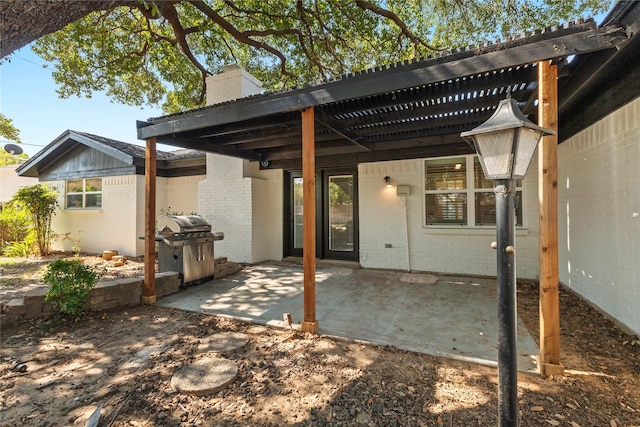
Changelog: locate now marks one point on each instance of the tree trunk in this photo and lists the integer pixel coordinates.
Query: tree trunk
(25, 21)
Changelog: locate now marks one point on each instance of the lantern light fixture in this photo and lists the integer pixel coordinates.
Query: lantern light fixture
(505, 145)
(506, 142)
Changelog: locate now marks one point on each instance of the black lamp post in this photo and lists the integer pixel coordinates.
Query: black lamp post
(505, 144)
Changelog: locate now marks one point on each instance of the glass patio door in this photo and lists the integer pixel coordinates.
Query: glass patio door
(336, 215)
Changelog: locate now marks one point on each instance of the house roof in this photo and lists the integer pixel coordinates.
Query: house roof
(418, 108)
(168, 163)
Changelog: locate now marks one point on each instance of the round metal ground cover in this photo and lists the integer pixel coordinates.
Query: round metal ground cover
(205, 376)
(224, 341)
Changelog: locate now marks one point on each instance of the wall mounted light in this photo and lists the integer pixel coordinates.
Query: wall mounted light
(387, 182)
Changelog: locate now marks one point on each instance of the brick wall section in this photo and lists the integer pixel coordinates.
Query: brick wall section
(225, 201)
(105, 295)
(599, 214)
(236, 197)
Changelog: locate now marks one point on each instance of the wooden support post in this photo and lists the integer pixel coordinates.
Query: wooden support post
(149, 293)
(549, 358)
(309, 323)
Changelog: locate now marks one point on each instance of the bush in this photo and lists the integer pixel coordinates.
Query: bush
(40, 201)
(70, 283)
(19, 249)
(14, 223)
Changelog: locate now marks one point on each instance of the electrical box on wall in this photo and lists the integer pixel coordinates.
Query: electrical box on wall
(403, 190)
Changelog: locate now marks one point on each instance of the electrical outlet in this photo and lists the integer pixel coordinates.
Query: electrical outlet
(387, 245)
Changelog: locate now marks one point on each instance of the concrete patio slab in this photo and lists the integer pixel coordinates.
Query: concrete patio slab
(454, 317)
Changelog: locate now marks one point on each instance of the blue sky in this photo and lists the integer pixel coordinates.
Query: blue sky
(28, 97)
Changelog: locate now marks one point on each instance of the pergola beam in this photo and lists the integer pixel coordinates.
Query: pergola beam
(332, 124)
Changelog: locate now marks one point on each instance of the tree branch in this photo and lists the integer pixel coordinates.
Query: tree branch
(366, 5)
(239, 36)
(253, 11)
(25, 21)
(308, 51)
(168, 11)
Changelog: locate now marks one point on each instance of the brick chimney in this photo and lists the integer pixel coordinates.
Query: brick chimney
(232, 83)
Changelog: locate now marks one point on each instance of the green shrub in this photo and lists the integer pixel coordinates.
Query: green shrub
(70, 283)
(14, 223)
(40, 201)
(18, 249)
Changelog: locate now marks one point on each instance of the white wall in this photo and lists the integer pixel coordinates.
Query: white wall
(447, 250)
(599, 204)
(248, 209)
(97, 230)
(10, 182)
(179, 194)
(120, 222)
(267, 215)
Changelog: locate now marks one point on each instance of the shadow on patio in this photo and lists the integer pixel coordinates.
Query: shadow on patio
(447, 316)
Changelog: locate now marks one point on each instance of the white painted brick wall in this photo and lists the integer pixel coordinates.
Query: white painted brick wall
(232, 83)
(120, 222)
(140, 209)
(454, 250)
(182, 193)
(599, 222)
(236, 197)
(97, 230)
(224, 200)
(248, 209)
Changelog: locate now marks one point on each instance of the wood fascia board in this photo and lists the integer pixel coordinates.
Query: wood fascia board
(186, 163)
(416, 143)
(128, 170)
(183, 171)
(578, 39)
(48, 154)
(256, 124)
(592, 73)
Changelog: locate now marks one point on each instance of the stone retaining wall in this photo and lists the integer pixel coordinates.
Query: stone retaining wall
(104, 296)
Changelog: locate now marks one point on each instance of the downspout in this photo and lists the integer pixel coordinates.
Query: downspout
(406, 228)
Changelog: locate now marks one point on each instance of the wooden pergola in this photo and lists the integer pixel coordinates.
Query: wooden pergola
(407, 110)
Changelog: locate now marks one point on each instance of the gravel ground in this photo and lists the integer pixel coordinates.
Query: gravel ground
(124, 360)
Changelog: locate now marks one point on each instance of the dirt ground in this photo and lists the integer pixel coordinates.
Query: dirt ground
(57, 372)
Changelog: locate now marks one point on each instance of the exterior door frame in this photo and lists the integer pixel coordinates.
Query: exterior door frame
(322, 215)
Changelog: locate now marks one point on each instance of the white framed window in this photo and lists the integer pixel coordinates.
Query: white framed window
(85, 193)
(456, 193)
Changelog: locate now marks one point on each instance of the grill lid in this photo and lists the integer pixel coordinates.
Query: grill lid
(191, 223)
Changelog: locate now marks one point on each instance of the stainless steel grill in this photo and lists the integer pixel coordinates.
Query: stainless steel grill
(189, 250)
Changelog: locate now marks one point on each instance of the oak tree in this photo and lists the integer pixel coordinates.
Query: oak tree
(160, 52)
